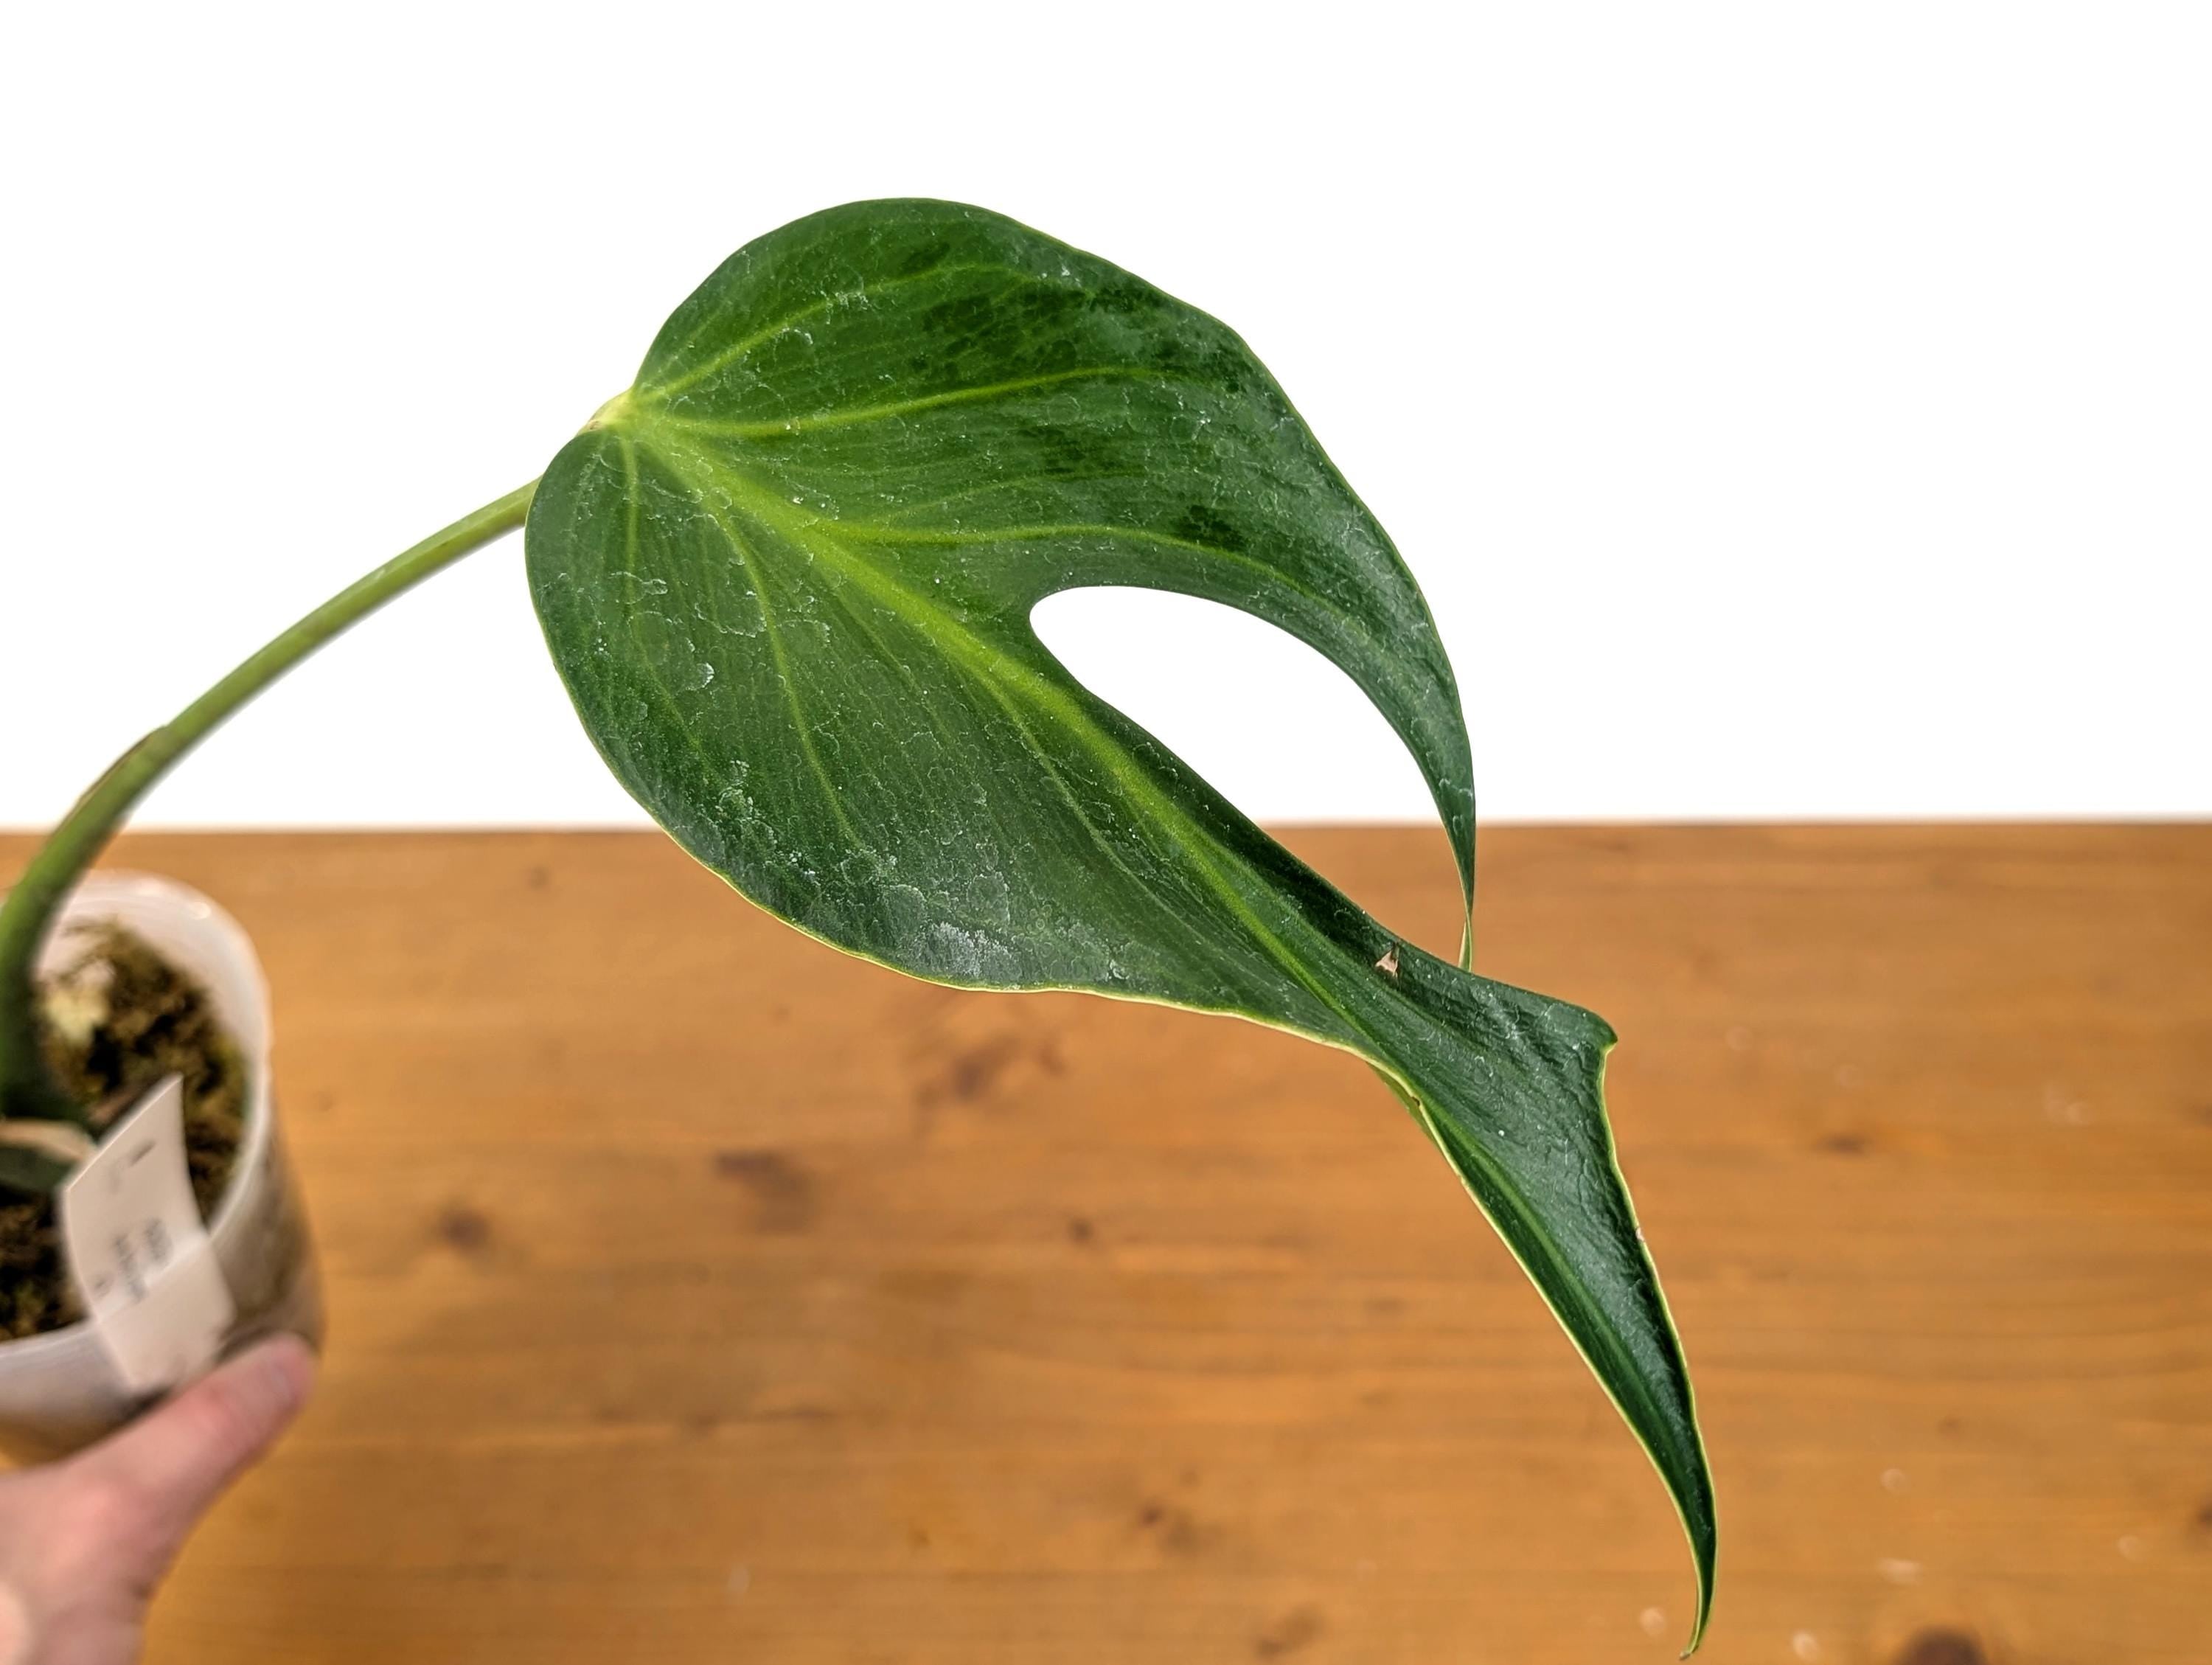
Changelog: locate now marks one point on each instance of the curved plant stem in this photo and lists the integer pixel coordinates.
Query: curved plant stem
(27, 1089)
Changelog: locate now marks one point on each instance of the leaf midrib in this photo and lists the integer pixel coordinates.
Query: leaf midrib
(809, 422)
(989, 668)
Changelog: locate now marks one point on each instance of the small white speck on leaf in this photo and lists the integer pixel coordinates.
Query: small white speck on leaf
(1389, 963)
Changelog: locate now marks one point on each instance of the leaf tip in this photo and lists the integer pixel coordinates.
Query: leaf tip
(1704, 1551)
(1697, 1636)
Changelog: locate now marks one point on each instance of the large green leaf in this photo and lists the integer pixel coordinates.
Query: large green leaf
(787, 578)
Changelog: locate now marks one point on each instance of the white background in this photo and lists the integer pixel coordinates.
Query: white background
(1790, 411)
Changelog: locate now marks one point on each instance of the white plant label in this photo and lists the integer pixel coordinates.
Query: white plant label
(150, 1282)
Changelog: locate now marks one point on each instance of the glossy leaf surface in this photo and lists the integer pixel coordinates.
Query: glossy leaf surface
(788, 579)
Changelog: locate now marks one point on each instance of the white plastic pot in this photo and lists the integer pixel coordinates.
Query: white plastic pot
(60, 1390)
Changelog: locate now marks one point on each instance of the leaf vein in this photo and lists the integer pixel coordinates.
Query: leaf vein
(815, 421)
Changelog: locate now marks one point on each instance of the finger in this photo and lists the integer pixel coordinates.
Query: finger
(176, 1461)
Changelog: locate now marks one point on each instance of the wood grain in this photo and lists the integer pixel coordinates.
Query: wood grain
(698, 1294)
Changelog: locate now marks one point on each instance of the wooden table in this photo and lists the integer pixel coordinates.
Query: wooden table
(698, 1294)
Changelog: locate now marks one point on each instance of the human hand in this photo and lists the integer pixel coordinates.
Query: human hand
(84, 1541)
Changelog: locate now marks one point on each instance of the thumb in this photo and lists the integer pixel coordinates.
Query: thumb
(177, 1460)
